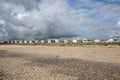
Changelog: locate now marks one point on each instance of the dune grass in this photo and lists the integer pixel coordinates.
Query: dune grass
(67, 44)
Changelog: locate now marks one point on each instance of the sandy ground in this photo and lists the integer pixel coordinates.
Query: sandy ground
(59, 63)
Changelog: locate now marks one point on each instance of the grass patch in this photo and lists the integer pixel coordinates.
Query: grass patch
(67, 44)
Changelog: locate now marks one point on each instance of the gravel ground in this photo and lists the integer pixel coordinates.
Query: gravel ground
(29, 66)
(1, 75)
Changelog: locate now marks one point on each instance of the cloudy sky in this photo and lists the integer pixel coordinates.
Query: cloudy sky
(57, 19)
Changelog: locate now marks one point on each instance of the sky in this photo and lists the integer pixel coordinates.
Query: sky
(59, 19)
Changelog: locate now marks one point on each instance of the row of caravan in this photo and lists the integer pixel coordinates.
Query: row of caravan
(42, 41)
(59, 41)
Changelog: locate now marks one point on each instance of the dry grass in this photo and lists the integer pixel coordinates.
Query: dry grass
(59, 63)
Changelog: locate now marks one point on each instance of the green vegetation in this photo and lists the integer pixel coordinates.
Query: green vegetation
(66, 44)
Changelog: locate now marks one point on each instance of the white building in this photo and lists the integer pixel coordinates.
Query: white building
(110, 40)
(74, 41)
(57, 41)
(97, 41)
(30, 41)
(49, 41)
(42, 41)
(25, 41)
(15, 41)
(20, 41)
(85, 41)
(65, 41)
(36, 41)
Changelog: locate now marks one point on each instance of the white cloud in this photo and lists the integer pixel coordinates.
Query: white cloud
(57, 19)
(2, 21)
(118, 23)
(21, 16)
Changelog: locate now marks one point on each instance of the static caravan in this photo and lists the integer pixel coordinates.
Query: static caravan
(20, 41)
(30, 41)
(25, 41)
(110, 40)
(74, 40)
(57, 41)
(97, 41)
(65, 41)
(36, 41)
(49, 41)
(42, 41)
(85, 41)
